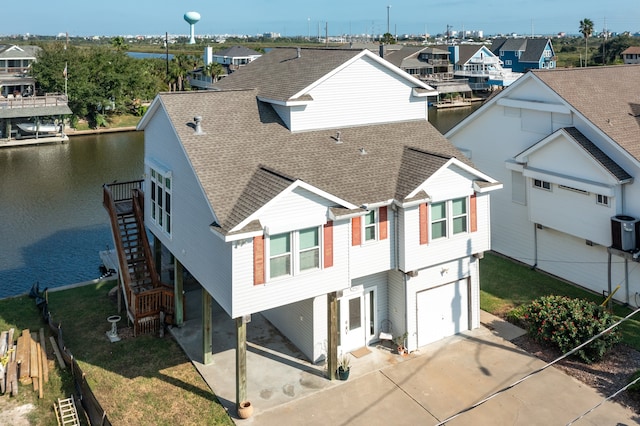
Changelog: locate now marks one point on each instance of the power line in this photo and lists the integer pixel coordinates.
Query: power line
(613, 395)
(539, 370)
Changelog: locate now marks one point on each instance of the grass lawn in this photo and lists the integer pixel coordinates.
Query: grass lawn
(143, 381)
(506, 284)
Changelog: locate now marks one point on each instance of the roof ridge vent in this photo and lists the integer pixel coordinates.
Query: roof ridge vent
(198, 120)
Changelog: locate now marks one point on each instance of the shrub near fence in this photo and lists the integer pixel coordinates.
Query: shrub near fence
(94, 412)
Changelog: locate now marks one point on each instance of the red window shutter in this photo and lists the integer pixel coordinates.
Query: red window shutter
(383, 224)
(424, 224)
(473, 214)
(258, 260)
(328, 244)
(355, 231)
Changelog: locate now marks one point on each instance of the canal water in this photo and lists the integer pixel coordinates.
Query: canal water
(52, 223)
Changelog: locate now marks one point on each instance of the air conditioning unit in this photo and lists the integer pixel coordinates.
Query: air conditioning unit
(624, 230)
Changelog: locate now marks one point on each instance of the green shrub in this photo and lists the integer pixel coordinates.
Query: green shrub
(567, 323)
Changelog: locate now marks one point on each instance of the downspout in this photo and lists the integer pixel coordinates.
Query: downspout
(396, 239)
(535, 246)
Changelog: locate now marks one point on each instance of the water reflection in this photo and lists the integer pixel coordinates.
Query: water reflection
(53, 223)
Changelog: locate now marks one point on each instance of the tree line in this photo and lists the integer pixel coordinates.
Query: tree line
(104, 80)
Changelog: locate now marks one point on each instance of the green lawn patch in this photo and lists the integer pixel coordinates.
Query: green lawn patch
(506, 284)
(145, 380)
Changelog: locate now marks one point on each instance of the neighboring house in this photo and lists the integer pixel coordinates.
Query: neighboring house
(230, 59)
(631, 55)
(478, 65)
(566, 145)
(524, 54)
(15, 63)
(421, 62)
(312, 175)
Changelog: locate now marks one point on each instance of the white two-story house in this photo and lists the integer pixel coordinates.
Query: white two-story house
(566, 145)
(311, 178)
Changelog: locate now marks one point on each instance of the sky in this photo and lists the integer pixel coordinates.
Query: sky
(308, 18)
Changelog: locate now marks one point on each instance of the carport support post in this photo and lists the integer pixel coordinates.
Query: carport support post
(332, 335)
(178, 289)
(206, 327)
(241, 361)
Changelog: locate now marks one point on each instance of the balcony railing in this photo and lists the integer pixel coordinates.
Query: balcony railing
(48, 100)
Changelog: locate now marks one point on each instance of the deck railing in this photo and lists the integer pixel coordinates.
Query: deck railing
(48, 100)
(121, 191)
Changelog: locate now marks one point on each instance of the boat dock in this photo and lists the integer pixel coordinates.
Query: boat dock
(29, 120)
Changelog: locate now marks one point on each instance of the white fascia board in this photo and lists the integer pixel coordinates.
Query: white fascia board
(458, 163)
(483, 190)
(412, 203)
(284, 103)
(158, 166)
(571, 181)
(418, 94)
(532, 105)
(228, 238)
(370, 206)
(297, 184)
(514, 165)
(157, 102)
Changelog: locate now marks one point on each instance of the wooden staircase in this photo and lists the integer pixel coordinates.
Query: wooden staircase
(148, 301)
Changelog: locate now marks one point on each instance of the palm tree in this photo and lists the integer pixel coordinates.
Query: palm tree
(586, 28)
(214, 70)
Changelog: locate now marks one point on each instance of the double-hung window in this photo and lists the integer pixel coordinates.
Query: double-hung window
(294, 252)
(370, 226)
(449, 218)
(161, 199)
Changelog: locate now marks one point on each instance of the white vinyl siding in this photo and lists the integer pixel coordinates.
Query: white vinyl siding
(347, 99)
(203, 254)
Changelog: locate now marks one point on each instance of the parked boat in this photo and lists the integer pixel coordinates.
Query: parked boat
(38, 127)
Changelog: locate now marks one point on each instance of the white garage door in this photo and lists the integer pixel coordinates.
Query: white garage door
(442, 311)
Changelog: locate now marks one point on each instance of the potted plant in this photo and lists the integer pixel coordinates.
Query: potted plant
(400, 343)
(344, 365)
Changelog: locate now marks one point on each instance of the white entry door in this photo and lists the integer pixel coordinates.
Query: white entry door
(357, 320)
(442, 311)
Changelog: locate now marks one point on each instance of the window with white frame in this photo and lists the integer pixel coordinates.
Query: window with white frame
(449, 218)
(507, 62)
(542, 184)
(602, 200)
(369, 224)
(294, 252)
(161, 199)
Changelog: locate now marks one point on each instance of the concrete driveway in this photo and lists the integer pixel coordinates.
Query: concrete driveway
(424, 388)
(444, 379)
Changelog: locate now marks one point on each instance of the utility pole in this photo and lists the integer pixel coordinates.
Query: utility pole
(388, 28)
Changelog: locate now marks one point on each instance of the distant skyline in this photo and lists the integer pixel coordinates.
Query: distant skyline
(291, 18)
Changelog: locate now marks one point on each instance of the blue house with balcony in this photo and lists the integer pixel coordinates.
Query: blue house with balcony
(524, 54)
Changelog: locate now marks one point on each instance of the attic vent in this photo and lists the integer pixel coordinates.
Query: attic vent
(363, 151)
(337, 138)
(198, 120)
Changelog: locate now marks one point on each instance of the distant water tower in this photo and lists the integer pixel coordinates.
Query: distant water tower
(192, 18)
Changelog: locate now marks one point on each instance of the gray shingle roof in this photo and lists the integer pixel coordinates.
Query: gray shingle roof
(606, 96)
(26, 52)
(266, 73)
(531, 48)
(247, 155)
(236, 51)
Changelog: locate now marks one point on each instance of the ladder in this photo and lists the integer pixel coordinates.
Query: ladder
(66, 412)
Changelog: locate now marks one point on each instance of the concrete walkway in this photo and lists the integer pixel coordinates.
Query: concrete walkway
(422, 388)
